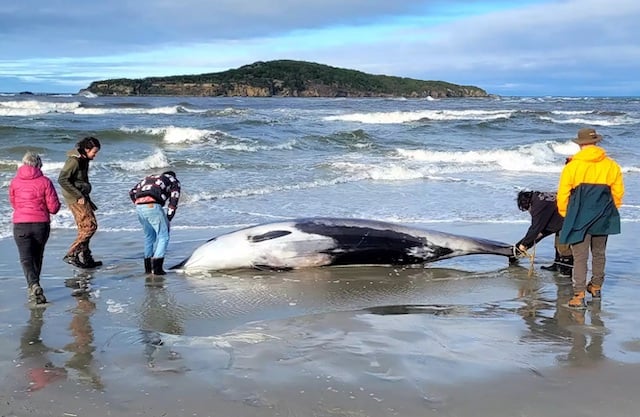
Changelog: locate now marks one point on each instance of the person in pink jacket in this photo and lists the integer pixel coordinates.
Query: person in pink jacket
(34, 199)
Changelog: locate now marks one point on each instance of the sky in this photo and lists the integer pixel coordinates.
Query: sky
(507, 47)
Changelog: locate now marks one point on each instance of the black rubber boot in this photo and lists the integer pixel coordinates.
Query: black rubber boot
(156, 266)
(565, 266)
(554, 266)
(87, 259)
(74, 260)
(147, 265)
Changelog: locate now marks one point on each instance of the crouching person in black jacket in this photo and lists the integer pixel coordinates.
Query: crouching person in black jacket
(150, 196)
(545, 220)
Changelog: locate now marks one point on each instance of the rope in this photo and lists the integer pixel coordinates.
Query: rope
(531, 256)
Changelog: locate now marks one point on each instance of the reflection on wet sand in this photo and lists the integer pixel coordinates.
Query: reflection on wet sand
(35, 354)
(582, 330)
(587, 336)
(40, 359)
(82, 347)
(160, 312)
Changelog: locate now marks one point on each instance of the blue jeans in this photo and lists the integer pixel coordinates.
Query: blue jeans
(155, 225)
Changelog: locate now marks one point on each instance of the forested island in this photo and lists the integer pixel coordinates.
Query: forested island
(284, 78)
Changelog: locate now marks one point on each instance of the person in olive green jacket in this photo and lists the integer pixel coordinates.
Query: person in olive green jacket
(76, 190)
(590, 192)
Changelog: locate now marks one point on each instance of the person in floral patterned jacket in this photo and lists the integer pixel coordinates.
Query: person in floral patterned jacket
(150, 196)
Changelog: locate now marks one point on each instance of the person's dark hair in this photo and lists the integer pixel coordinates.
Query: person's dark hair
(173, 174)
(87, 143)
(524, 200)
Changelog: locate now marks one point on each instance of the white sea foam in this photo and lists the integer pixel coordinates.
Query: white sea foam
(414, 116)
(539, 157)
(97, 111)
(246, 192)
(115, 307)
(210, 165)
(571, 112)
(156, 160)
(34, 107)
(594, 121)
(388, 171)
(229, 111)
(252, 147)
(220, 139)
(177, 135)
(589, 117)
(48, 167)
(564, 148)
(88, 94)
(10, 162)
(63, 220)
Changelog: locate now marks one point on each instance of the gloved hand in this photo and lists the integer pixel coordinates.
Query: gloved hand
(519, 250)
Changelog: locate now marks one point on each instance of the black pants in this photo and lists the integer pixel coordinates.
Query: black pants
(31, 239)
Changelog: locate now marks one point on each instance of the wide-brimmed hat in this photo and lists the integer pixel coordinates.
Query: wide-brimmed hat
(587, 136)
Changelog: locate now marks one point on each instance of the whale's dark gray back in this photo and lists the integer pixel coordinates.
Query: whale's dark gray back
(358, 243)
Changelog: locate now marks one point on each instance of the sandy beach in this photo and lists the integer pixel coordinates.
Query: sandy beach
(470, 336)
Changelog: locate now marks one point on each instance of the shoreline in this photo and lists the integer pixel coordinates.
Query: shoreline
(468, 336)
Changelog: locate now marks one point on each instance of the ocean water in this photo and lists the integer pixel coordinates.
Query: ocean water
(244, 160)
(337, 341)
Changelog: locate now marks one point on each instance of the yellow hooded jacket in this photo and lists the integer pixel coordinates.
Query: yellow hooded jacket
(590, 165)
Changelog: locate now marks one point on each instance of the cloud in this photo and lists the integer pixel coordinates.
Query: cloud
(82, 28)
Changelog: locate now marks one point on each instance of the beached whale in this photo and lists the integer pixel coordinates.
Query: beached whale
(318, 241)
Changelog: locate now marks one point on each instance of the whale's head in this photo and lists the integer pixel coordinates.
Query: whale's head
(277, 246)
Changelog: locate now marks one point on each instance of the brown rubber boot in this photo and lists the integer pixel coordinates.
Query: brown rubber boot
(578, 300)
(594, 290)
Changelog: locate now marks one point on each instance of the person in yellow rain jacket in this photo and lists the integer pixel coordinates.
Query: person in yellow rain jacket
(590, 192)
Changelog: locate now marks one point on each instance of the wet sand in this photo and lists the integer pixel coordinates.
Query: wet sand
(469, 336)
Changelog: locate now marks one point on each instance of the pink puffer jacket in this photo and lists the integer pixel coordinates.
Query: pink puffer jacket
(32, 196)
